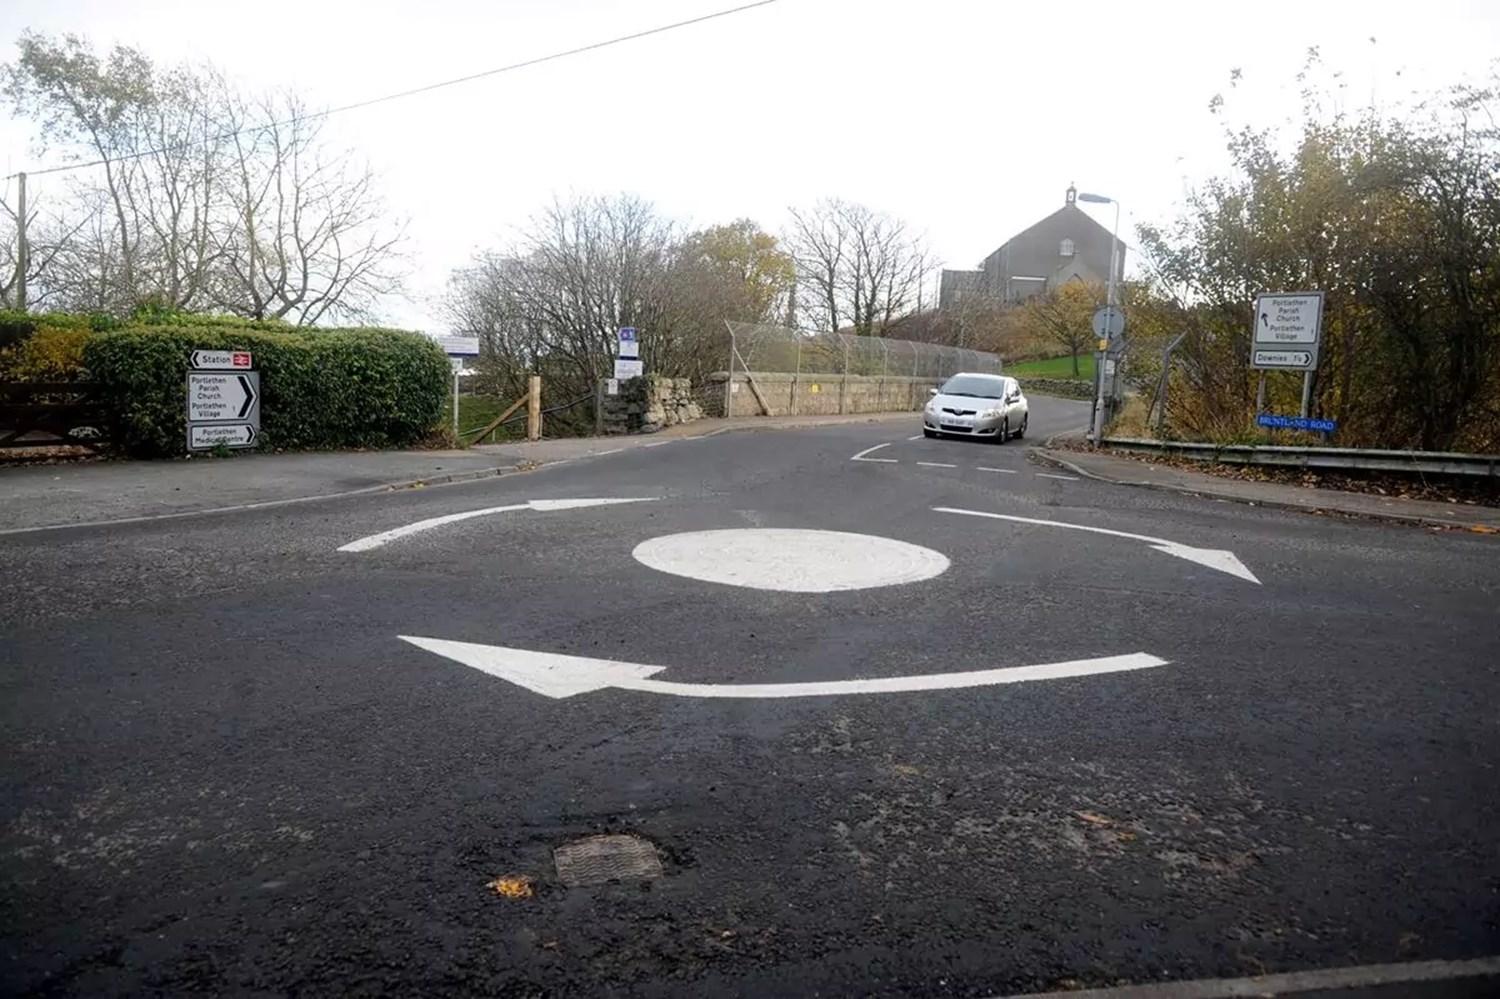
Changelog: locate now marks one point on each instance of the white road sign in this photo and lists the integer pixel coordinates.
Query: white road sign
(459, 346)
(1109, 322)
(630, 345)
(1299, 360)
(1288, 328)
(220, 398)
(235, 360)
(203, 436)
(628, 368)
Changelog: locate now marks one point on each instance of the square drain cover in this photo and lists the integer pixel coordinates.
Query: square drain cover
(600, 859)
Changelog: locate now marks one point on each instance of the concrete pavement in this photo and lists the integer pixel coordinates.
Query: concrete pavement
(231, 771)
(33, 496)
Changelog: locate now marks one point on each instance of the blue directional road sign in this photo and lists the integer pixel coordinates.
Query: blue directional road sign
(1296, 423)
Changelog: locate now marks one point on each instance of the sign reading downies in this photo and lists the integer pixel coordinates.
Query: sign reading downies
(1288, 328)
(223, 406)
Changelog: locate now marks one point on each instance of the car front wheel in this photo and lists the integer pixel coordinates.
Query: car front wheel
(1004, 433)
(1021, 431)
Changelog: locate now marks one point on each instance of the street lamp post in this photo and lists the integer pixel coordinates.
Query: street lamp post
(1097, 429)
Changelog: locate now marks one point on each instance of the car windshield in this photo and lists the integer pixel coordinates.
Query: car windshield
(979, 386)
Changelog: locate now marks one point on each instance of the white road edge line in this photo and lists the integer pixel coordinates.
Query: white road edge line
(915, 437)
(556, 675)
(600, 454)
(877, 447)
(386, 537)
(936, 464)
(1002, 471)
(1213, 558)
(656, 444)
(1290, 983)
(1050, 475)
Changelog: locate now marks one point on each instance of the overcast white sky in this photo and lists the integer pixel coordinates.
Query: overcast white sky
(966, 117)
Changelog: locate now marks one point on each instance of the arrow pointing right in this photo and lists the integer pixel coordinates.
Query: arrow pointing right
(1213, 558)
(249, 396)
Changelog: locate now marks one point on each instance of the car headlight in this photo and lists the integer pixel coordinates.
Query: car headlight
(991, 414)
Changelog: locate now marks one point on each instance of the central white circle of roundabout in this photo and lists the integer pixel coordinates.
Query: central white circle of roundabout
(791, 560)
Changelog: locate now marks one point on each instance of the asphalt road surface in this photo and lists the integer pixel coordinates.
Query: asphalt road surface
(226, 772)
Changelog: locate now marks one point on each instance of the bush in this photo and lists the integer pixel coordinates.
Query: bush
(319, 388)
(45, 347)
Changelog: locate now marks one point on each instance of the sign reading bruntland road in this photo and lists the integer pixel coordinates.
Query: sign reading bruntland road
(1288, 328)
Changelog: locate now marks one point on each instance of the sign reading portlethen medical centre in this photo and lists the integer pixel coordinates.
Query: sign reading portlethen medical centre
(1288, 328)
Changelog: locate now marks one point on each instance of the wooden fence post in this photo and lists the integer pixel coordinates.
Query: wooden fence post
(534, 408)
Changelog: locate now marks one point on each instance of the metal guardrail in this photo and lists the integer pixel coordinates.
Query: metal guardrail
(1354, 459)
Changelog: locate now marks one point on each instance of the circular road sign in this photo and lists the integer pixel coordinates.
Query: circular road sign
(1109, 322)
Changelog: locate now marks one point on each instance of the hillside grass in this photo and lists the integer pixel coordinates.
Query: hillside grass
(1054, 367)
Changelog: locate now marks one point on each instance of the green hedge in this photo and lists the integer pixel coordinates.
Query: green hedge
(319, 388)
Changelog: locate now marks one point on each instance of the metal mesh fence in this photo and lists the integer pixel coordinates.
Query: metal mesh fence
(801, 372)
(780, 349)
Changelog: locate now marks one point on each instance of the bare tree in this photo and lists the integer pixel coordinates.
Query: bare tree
(864, 268)
(304, 234)
(199, 197)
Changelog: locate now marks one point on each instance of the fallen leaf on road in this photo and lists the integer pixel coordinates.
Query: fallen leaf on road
(1483, 529)
(512, 886)
(1093, 818)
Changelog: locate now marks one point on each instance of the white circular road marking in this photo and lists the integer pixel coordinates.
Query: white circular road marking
(790, 560)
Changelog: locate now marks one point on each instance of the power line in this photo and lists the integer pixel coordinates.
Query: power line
(591, 47)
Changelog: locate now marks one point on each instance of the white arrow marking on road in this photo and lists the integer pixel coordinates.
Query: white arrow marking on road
(1214, 558)
(559, 676)
(545, 506)
(877, 447)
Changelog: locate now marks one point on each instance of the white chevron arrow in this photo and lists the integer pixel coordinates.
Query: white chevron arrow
(559, 676)
(1214, 558)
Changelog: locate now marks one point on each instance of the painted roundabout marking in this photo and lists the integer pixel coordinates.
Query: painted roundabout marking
(791, 560)
(780, 559)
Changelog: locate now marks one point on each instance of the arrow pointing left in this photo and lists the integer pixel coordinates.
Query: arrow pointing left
(559, 676)
(386, 537)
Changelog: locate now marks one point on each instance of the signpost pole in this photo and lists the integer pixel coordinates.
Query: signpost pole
(1260, 395)
(455, 402)
(1306, 391)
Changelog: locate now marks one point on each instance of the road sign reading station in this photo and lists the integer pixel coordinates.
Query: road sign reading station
(626, 368)
(1109, 322)
(1288, 328)
(235, 360)
(1296, 423)
(217, 398)
(202, 436)
(630, 344)
(459, 346)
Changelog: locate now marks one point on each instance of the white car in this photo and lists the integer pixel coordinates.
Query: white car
(974, 405)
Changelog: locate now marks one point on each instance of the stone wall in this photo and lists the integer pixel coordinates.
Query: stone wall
(646, 405)
(1068, 388)
(816, 395)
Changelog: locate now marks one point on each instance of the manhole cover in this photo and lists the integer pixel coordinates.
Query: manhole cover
(599, 859)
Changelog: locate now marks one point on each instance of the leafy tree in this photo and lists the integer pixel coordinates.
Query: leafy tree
(1396, 217)
(1062, 317)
